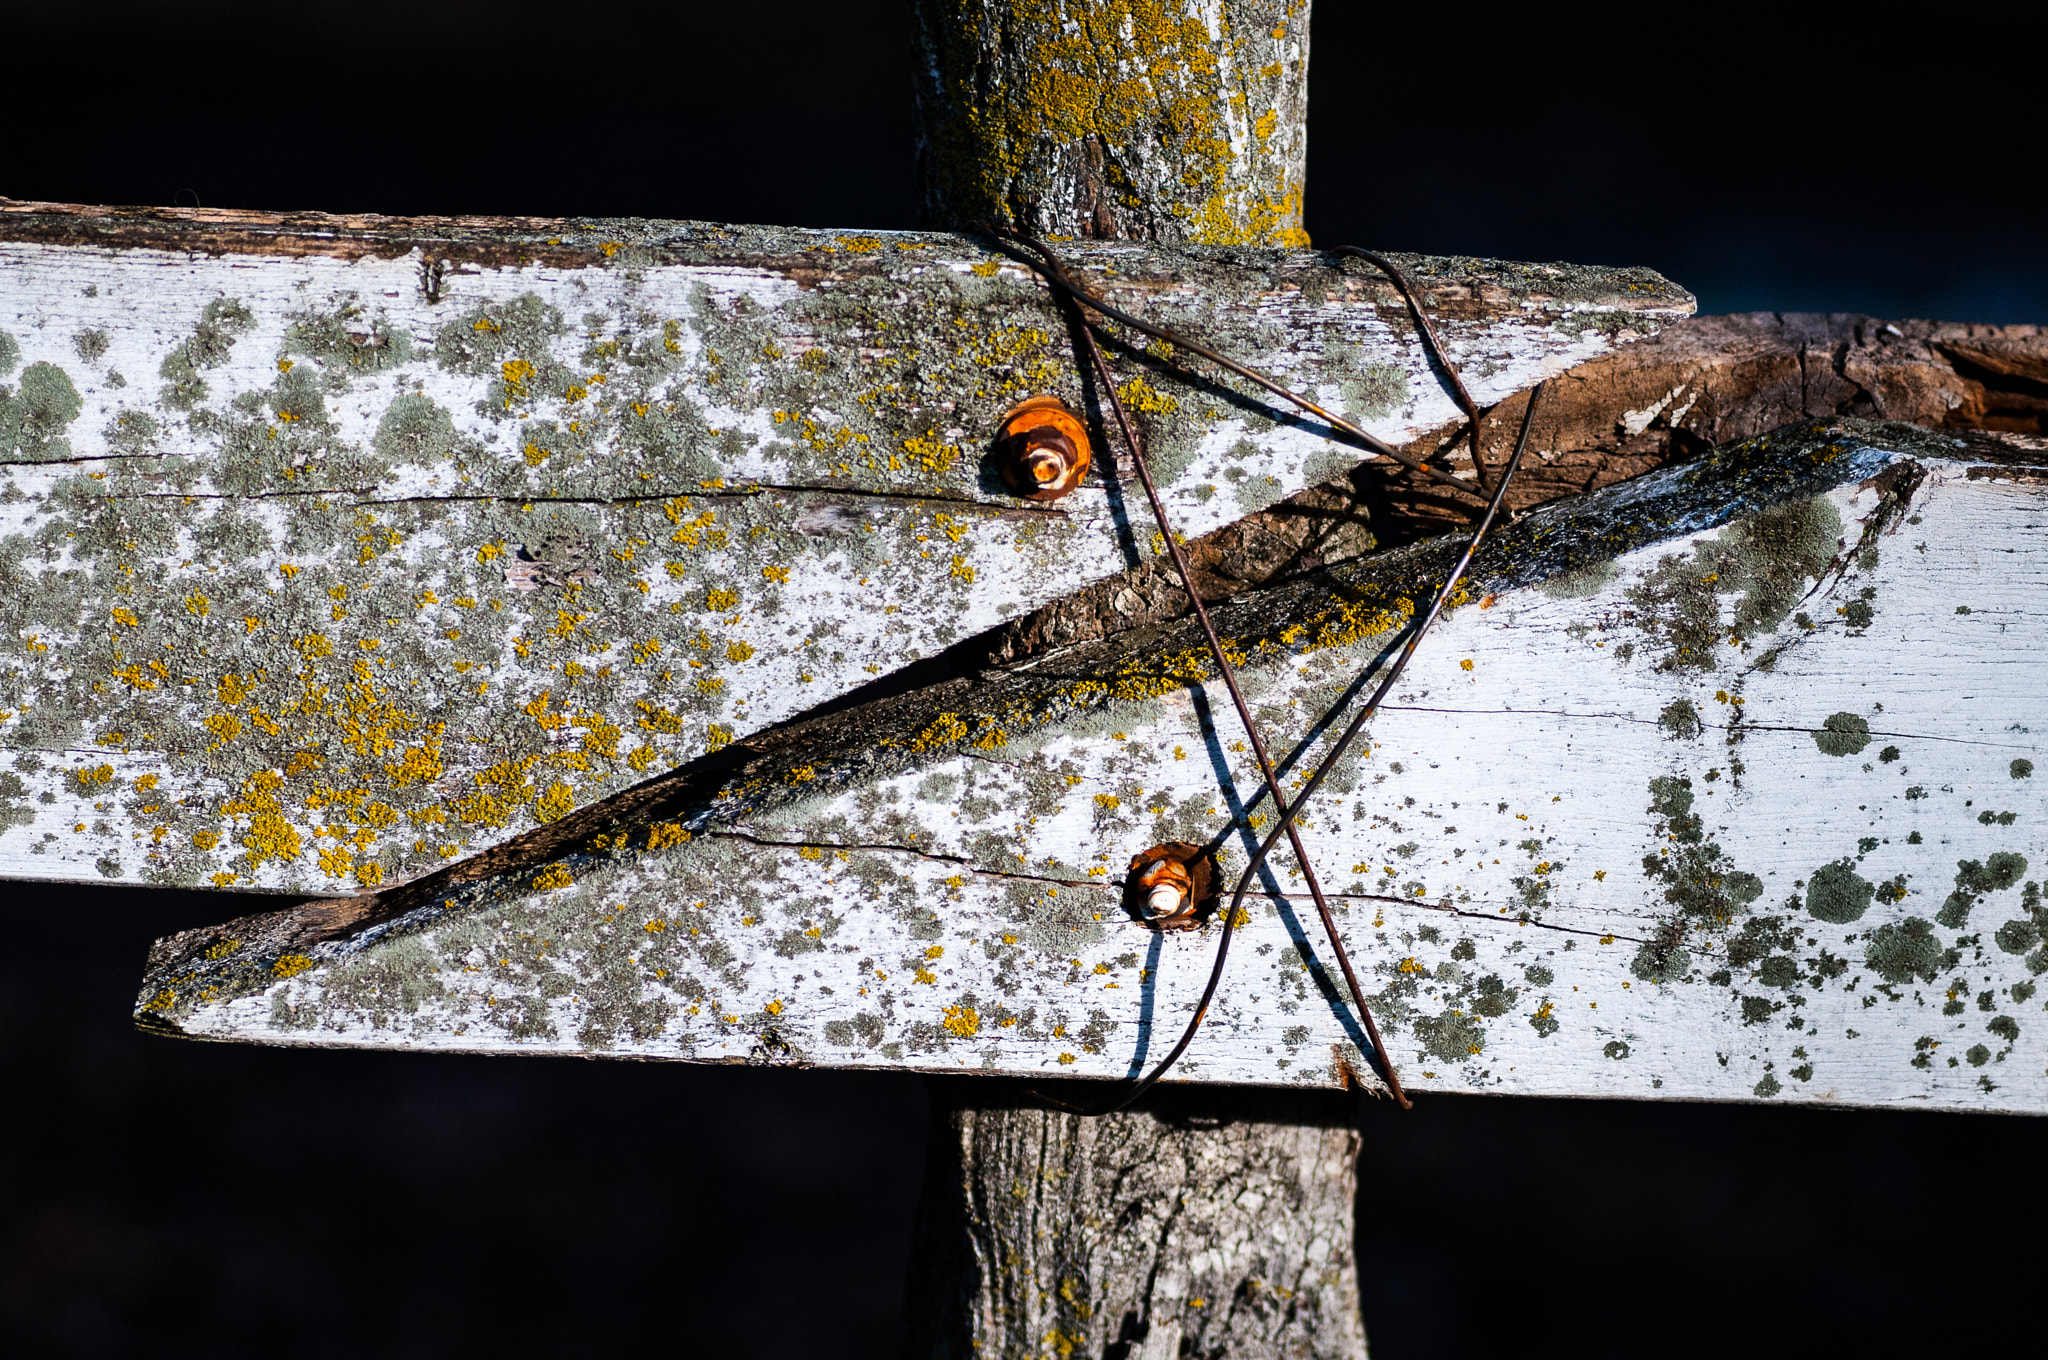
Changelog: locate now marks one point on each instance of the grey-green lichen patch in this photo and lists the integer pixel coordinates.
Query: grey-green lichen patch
(10, 353)
(34, 416)
(1900, 951)
(1843, 734)
(222, 322)
(1701, 879)
(1764, 562)
(349, 338)
(1681, 720)
(1838, 894)
(1583, 582)
(1999, 871)
(2021, 768)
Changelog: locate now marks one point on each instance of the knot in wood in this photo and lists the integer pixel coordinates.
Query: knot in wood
(1042, 449)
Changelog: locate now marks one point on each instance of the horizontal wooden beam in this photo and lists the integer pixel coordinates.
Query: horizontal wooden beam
(342, 548)
(1717, 784)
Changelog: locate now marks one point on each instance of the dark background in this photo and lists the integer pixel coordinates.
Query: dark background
(176, 1199)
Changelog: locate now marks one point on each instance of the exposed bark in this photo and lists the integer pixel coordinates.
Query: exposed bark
(1206, 1223)
(1115, 119)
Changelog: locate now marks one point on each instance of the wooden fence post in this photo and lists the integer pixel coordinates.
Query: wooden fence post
(1216, 1220)
(1115, 119)
(1206, 1221)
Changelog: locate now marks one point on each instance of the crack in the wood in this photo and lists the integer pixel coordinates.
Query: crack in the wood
(933, 855)
(746, 491)
(1704, 727)
(966, 863)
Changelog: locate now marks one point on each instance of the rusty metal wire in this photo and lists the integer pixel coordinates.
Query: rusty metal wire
(1055, 273)
(1329, 762)
(1049, 264)
(1216, 649)
(1436, 346)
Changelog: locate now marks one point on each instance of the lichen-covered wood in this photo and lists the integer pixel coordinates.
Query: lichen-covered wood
(1205, 1222)
(336, 549)
(1127, 120)
(1718, 784)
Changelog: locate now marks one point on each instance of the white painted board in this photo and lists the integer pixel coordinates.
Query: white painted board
(335, 550)
(1798, 860)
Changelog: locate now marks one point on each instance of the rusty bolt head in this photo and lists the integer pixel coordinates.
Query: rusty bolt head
(1169, 882)
(1042, 449)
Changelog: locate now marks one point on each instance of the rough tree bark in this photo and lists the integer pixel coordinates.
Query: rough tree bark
(1125, 120)
(1204, 1222)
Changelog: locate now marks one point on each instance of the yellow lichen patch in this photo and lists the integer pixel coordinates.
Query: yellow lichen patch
(290, 965)
(91, 777)
(962, 1022)
(515, 373)
(946, 730)
(123, 616)
(554, 876)
(1139, 395)
(419, 765)
(721, 600)
(225, 728)
(738, 651)
(556, 802)
(664, 834)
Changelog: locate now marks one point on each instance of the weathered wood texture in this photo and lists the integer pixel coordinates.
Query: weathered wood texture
(1711, 379)
(1204, 1223)
(1122, 120)
(335, 549)
(1718, 784)
(1699, 382)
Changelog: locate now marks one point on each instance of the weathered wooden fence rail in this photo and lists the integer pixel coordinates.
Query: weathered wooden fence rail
(341, 547)
(1716, 784)
(511, 585)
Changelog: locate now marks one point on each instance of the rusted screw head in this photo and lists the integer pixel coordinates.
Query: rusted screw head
(1169, 882)
(1042, 449)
